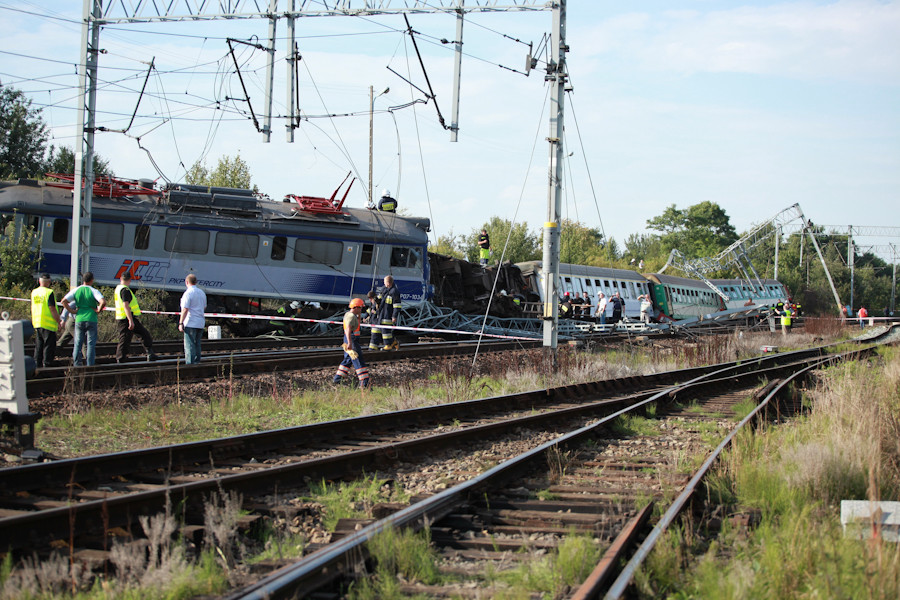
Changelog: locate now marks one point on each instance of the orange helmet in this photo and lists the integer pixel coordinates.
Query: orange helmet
(357, 302)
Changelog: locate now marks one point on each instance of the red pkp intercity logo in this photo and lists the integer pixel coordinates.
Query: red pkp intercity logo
(129, 266)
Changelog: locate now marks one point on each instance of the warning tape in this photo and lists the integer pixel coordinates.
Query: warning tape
(303, 320)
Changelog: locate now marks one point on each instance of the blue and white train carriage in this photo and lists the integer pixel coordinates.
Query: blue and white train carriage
(238, 244)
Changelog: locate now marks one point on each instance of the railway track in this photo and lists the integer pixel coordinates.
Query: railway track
(87, 504)
(78, 502)
(56, 380)
(595, 481)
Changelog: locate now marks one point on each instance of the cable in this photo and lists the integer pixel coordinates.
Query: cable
(537, 135)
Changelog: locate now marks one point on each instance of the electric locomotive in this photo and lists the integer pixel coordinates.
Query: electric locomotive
(239, 244)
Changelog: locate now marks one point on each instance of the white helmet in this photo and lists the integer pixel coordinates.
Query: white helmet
(295, 304)
(385, 193)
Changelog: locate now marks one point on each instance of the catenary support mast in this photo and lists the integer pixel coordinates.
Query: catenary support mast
(84, 134)
(556, 73)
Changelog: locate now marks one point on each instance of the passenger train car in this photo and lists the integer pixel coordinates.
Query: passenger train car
(676, 297)
(238, 244)
(577, 279)
(742, 291)
(681, 298)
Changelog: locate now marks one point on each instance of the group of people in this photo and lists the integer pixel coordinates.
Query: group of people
(82, 307)
(572, 306)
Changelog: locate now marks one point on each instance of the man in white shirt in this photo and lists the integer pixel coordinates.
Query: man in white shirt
(601, 307)
(191, 320)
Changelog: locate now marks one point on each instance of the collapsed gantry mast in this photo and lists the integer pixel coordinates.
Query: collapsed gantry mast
(736, 256)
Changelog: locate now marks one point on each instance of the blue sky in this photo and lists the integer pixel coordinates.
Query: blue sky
(755, 106)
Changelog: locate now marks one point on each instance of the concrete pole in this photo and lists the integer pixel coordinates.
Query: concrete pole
(556, 71)
(270, 73)
(83, 189)
(894, 278)
(457, 70)
(371, 136)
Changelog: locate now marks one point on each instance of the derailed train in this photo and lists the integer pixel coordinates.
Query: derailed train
(244, 247)
(671, 296)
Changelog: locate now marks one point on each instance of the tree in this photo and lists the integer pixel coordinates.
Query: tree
(230, 172)
(523, 245)
(19, 257)
(701, 230)
(448, 245)
(23, 136)
(64, 162)
(579, 244)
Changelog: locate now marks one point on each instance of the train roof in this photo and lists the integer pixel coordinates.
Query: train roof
(240, 210)
(532, 266)
(750, 282)
(674, 280)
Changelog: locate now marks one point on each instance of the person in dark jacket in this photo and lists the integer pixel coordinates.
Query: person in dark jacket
(618, 305)
(389, 305)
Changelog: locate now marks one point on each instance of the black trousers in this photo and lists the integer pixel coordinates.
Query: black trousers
(126, 334)
(44, 347)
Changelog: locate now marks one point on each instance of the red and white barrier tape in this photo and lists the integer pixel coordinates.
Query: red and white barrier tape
(302, 320)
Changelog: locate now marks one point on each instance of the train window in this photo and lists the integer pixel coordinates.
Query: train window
(597, 283)
(108, 235)
(60, 231)
(606, 284)
(279, 247)
(4, 221)
(415, 258)
(318, 251)
(616, 284)
(405, 258)
(141, 237)
(33, 221)
(367, 254)
(631, 288)
(186, 241)
(241, 245)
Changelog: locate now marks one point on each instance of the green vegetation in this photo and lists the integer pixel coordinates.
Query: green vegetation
(19, 253)
(352, 499)
(635, 425)
(794, 476)
(402, 553)
(569, 564)
(229, 172)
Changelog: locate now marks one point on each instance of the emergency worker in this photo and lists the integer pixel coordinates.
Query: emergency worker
(786, 320)
(352, 350)
(127, 322)
(484, 248)
(387, 204)
(389, 305)
(45, 319)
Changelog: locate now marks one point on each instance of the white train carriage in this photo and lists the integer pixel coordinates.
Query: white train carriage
(683, 298)
(237, 244)
(577, 279)
(742, 291)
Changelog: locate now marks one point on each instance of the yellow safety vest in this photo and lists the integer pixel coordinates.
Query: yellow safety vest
(120, 307)
(786, 318)
(40, 309)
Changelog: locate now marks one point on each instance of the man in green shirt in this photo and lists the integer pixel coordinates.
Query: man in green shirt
(85, 302)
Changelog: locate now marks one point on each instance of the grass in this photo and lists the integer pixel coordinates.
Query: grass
(352, 500)
(795, 476)
(568, 565)
(398, 553)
